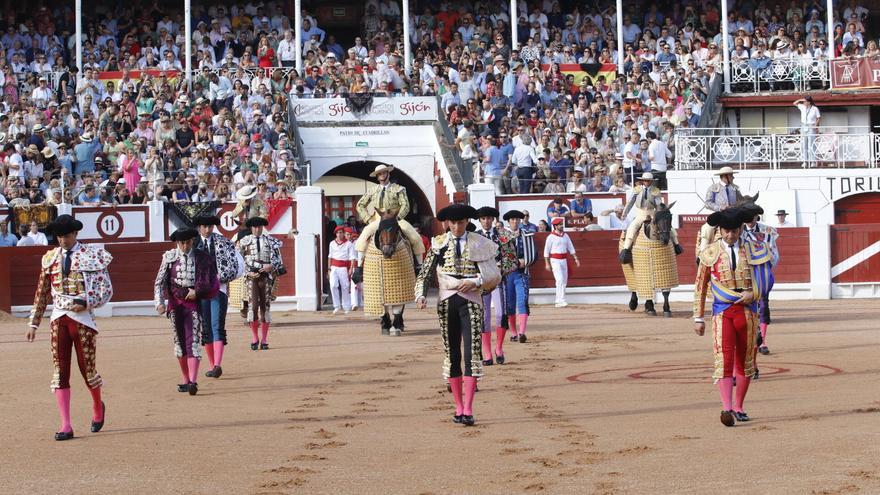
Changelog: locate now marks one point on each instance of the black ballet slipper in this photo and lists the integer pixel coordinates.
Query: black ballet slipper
(193, 388)
(499, 359)
(264, 347)
(741, 416)
(468, 420)
(457, 419)
(254, 346)
(63, 435)
(728, 418)
(522, 338)
(97, 425)
(183, 387)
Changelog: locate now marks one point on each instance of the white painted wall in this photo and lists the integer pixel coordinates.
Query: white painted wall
(412, 149)
(809, 193)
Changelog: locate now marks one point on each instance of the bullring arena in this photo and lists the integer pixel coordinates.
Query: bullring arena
(600, 400)
(364, 205)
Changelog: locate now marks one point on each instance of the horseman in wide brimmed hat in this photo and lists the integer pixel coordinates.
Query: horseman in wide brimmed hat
(646, 197)
(388, 200)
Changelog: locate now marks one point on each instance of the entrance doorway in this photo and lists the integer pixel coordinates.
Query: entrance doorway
(858, 209)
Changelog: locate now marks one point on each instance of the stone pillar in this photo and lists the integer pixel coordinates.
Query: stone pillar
(310, 228)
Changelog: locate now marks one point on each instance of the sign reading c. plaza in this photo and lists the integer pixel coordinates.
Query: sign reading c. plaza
(409, 109)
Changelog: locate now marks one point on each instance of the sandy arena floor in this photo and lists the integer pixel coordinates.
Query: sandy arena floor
(600, 400)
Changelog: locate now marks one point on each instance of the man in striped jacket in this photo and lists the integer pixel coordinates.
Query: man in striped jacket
(517, 282)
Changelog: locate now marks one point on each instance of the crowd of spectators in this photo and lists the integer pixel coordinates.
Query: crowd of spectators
(520, 120)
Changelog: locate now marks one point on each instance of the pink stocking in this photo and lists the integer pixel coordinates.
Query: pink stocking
(511, 322)
(184, 369)
(218, 353)
(209, 350)
(500, 333)
(763, 327)
(97, 405)
(265, 332)
(742, 387)
(725, 387)
(522, 319)
(62, 398)
(455, 385)
(470, 387)
(193, 365)
(487, 346)
(255, 327)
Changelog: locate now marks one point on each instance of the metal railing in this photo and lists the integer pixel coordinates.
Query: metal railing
(305, 166)
(794, 74)
(466, 172)
(711, 150)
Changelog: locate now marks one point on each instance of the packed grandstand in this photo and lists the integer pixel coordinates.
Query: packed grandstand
(557, 112)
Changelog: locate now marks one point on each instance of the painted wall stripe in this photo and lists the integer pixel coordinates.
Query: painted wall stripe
(855, 259)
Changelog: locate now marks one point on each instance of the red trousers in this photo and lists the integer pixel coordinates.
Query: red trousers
(69, 335)
(734, 340)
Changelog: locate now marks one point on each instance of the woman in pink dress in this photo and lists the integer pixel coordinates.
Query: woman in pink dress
(129, 164)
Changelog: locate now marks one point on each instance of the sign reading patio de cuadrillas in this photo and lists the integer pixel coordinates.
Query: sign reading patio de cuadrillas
(839, 187)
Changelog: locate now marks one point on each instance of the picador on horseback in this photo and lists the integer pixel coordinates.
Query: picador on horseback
(389, 249)
(646, 255)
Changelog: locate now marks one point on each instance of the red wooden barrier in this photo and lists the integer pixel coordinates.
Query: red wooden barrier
(846, 241)
(133, 271)
(597, 251)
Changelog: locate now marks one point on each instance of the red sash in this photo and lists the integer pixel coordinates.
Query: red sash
(559, 256)
(340, 263)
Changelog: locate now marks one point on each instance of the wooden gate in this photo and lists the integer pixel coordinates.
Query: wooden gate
(854, 249)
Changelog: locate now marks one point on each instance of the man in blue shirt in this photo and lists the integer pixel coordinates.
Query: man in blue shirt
(560, 164)
(494, 163)
(557, 209)
(526, 224)
(85, 154)
(7, 239)
(88, 197)
(580, 206)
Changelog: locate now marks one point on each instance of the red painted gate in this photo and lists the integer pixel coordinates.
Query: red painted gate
(854, 253)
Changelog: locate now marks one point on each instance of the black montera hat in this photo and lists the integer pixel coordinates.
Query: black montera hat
(514, 214)
(455, 212)
(256, 222)
(64, 225)
(183, 234)
(487, 211)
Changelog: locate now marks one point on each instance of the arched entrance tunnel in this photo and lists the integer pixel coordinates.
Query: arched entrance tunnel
(346, 183)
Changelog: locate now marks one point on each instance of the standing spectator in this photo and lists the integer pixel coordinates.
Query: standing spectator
(130, 165)
(524, 159)
(810, 121)
(38, 237)
(7, 239)
(658, 154)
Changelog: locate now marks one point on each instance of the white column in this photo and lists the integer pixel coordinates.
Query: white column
(298, 22)
(829, 27)
(480, 195)
(620, 37)
(157, 221)
(79, 27)
(820, 266)
(187, 30)
(725, 46)
(310, 226)
(514, 18)
(407, 50)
